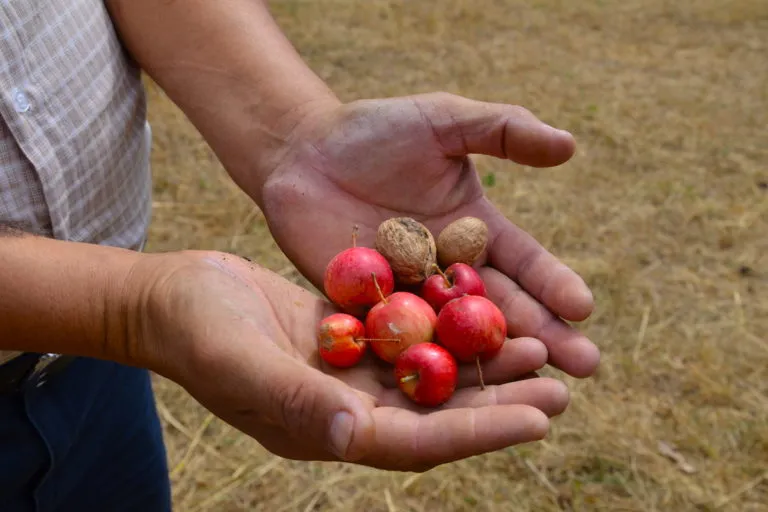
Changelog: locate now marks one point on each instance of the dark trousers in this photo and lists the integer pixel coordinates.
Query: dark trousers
(89, 439)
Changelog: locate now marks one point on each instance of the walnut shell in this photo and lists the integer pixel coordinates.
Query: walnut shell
(462, 241)
(409, 247)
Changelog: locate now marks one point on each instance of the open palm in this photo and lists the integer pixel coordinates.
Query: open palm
(250, 357)
(367, 161)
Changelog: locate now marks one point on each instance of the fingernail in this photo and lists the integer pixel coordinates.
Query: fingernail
(585, 293)
(342, 426)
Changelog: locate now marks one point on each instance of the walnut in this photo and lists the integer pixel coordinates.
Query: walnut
(409, 248)
(463, 240)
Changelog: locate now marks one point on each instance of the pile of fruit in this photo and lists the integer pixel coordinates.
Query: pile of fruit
(425, 333)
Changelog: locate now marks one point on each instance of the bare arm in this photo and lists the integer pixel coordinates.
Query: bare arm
(230, 69)
(55, 296)
(62, 297)
(226, 64)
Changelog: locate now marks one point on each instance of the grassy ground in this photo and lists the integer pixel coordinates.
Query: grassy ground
(664, 211)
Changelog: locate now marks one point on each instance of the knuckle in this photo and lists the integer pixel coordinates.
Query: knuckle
(493, 400)
(519, 111)
(520, 319)
(509, 302)
(441, 96)
(528, 263)
(296, 406)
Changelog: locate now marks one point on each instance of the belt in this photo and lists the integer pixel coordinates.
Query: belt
(30, 370)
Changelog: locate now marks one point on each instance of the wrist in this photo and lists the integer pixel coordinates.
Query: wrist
(276, 138)
(159, 311)
(144, 312)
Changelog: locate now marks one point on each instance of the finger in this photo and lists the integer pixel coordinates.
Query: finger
(463, 126)
(519, 256)
(403, 435)
(276, 440)
(550, 396)
(517, 357)
(569, 350)
(407, 440)
(315, 407)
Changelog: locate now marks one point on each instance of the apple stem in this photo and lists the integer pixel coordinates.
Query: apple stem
(355, 229)
(378, 288)
(409, 378)
(480, 372)
(437, 269)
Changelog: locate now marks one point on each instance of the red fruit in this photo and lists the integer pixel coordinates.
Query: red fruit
(471, 328)
(349, 279)
(402, 316)
(459, 279)
(427, 374)
(341, 340)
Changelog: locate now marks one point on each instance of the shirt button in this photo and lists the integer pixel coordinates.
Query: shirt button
(20, 100)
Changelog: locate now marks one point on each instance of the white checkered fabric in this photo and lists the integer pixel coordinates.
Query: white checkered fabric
(74, 138)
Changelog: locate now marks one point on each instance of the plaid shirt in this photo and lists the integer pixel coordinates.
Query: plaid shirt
(74, 139)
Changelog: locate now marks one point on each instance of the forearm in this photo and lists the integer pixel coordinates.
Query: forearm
(229, 67)
(62, 297)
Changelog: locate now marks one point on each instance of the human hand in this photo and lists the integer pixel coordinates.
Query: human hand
(316, 167)
(241, 340)
(367, 161)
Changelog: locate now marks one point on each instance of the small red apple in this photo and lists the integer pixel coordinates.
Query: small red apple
(402, 316)
(471, 328)
(427, 374)
(341, 340)
(457, 280)
(349, 278)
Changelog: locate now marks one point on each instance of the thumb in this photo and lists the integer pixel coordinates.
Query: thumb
(312, 406)
(464, 126)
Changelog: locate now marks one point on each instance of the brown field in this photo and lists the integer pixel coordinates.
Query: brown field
(664, 211)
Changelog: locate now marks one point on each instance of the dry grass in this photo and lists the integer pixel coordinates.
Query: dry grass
(664, 211)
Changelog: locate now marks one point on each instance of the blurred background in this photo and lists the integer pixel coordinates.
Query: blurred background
(663, 210)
